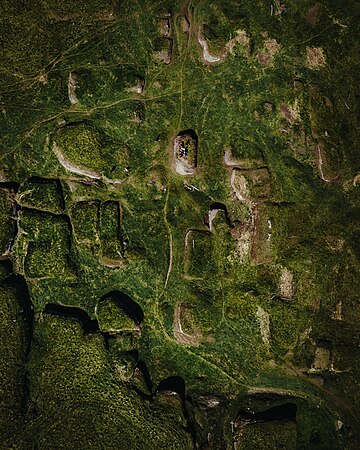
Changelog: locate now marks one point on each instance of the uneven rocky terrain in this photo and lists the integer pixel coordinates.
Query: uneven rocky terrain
(180, 224)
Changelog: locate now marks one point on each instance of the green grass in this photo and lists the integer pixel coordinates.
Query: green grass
(48, 246)
(80, 239)
(42, 194)
(13, 341)
(112, 318)
(91, 392)
(270, 435)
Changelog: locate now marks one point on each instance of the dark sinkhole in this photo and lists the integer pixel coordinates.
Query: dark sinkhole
(175, 384)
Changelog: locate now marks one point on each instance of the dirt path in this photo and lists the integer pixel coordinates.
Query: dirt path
(240, 191)
(228, 159)
(168, 273)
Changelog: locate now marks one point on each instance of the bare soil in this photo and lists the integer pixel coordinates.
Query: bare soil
(290, 113)
(266, 57)
(240, 38)
(315, 58)
(185, 148)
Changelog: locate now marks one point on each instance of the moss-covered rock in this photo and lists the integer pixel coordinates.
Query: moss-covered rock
(242, 266)
(14, 344)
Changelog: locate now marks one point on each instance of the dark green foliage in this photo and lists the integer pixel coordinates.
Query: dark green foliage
(13, 343)
(42, 194)
(100, 209)
(110, 231)
(7, 230)
(98, 410)
(47, 240)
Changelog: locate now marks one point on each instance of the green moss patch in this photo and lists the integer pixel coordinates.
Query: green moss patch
(42, 194)
(7, 229)
(110, 232)
(13, 344)
(48, 245)
(84, 218)
(88, 400)
(268, 436)
(199, 248)
(85, 146)
(114, 319)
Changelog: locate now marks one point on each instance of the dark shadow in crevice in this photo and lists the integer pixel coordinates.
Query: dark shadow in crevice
(140, 393)
(284, 412)
(222, 207)
(142, 368)
(18, 283)
(11, 185)
(146, 374)
(89, 325)
(7, 265)
(107, 338)
(190, 133)
(175, 384)
(134, 354)
(218, 205)
(191, 429)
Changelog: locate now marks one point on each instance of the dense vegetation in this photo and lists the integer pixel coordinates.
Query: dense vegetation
(217, 297)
